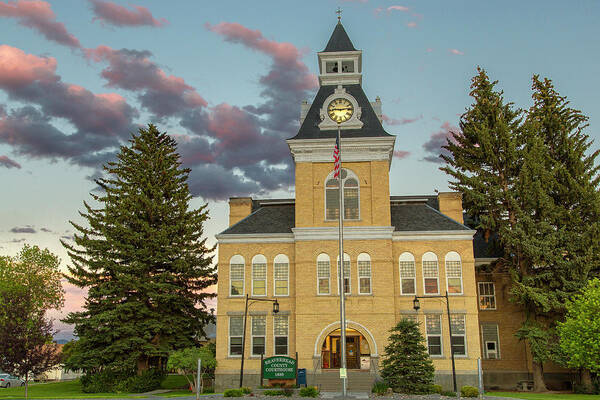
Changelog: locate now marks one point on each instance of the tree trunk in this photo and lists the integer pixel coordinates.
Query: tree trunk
(586, 380)
(26, 384)
(538, 377)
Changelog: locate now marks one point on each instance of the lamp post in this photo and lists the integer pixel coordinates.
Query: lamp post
(417, 306)
(254, 300)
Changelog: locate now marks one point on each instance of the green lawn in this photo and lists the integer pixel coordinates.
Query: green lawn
(544, 396)
(72, 390)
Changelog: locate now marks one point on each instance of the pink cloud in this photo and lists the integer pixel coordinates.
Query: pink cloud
(456, 52)
(38, 15)
(8, 163)
(115, 14)
(400, 154)
(18, 69)
(389, 9)
(438, 139)
(429, 50)
(412, 24)
(403, 121)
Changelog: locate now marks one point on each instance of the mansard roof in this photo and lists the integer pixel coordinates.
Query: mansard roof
(371, 125)
(339, 40)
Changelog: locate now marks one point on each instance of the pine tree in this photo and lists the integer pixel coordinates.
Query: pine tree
(533, 183)
(406, 365)
(144, 260)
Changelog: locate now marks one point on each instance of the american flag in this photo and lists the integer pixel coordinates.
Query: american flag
(336, 158)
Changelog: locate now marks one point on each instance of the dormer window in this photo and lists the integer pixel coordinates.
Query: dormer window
(333, 67)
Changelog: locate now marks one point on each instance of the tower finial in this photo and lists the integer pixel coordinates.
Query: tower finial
(339, 14)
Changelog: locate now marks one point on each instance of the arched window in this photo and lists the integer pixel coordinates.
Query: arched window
(346, 273)
(454, 273)
(236, 275)
(259, 275)
(351, 196)
(364, 273)
(408, 276)
(431, 273)
(281, 273)
(323, 273)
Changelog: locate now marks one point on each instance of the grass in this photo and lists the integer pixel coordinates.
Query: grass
(72, 390)
(545, 396)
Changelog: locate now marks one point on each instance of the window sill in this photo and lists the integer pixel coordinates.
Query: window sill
(488, 309)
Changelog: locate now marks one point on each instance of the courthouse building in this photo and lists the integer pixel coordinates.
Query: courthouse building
(395, 247)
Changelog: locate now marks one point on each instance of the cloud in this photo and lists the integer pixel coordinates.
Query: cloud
(456, 52)
(389, 9)
(438, 139)
(23, 229)
(68, 237)
(38, 15)
(46, 230)
(16, 240)
(403, 121)
(161, 94)
(400, 154)
(411, 24)
(114, 14)
(429, 49)
(8, 163)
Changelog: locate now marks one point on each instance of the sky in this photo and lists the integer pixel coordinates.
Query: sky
(226, 79)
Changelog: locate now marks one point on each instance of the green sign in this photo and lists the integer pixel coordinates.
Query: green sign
(279, 367)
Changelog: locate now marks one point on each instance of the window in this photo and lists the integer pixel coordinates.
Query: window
(280, 334)
(490, 341)
(236, 276)
(364, 273)
(408, 280)
(236, 331)
(346, 273)
(351, 196)
(259, 275)
(430, 273)
(281, 272)
(411, 317)
(487, 296)
(323, 273)
(331, 67)
(258, 335)
(348, 66)
(454, 273)
(434, 334)
(459, 344)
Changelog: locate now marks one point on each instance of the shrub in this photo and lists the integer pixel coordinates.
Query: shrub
(246, 390)
(121, 381)
(208, 390)
(274, 393)
(380, 388)
(232, 393)
(147, 381)
(309, 391)
(469, 391)
(448, 393)
(437, 389)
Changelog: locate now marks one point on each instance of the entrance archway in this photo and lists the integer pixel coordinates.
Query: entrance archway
(365, 350)
(358, 351)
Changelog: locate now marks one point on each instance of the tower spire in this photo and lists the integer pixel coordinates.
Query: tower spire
(339, 15)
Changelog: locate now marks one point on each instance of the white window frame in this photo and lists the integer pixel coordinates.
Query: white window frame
(349, 174)
(364, 257)
(324, 258)
(493, 296)
(428, 335)
(430, 257)
(404, 258)
(485, 342)
(281, 259)
(237, 260)
(463, 335)
(346, 259)
(259, 259)
(453, 256)
(229, 336)
(264, 336)
(287, 336)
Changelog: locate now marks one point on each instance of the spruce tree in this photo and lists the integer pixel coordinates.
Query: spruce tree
(534, 184)
(143, 259)
(406, 365)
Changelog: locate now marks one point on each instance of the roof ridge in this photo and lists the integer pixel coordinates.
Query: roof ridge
(451, 219)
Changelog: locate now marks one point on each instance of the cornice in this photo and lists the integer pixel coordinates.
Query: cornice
(255, 238)
(350, 233)
(433, 235)
(353, 149)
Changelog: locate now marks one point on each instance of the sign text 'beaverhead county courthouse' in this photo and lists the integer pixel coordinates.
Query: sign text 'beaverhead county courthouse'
(396, 247)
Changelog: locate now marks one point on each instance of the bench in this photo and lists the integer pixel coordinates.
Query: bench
(525, 386)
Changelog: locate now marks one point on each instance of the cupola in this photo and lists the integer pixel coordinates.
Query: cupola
(340, 63)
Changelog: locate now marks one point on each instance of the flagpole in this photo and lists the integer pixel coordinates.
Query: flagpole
(341, 285)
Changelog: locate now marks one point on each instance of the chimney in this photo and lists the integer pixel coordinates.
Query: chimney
(239, 208)
(451, 205)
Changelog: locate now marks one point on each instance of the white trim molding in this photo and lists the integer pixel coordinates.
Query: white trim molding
(433, 235)
(255, 238)
(350, 233)
(353, 149)
(349, 324)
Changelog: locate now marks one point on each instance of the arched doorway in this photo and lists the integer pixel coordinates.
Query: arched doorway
(358, 350)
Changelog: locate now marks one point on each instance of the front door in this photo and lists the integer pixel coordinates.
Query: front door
(331, 353)
(352, 352)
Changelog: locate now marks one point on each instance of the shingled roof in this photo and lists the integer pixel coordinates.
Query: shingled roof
(339, 40)
(409, 214)
(371, 125)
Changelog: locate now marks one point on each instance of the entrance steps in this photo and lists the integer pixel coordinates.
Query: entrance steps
(358, 381)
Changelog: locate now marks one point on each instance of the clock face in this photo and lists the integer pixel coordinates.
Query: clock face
(340, 110)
